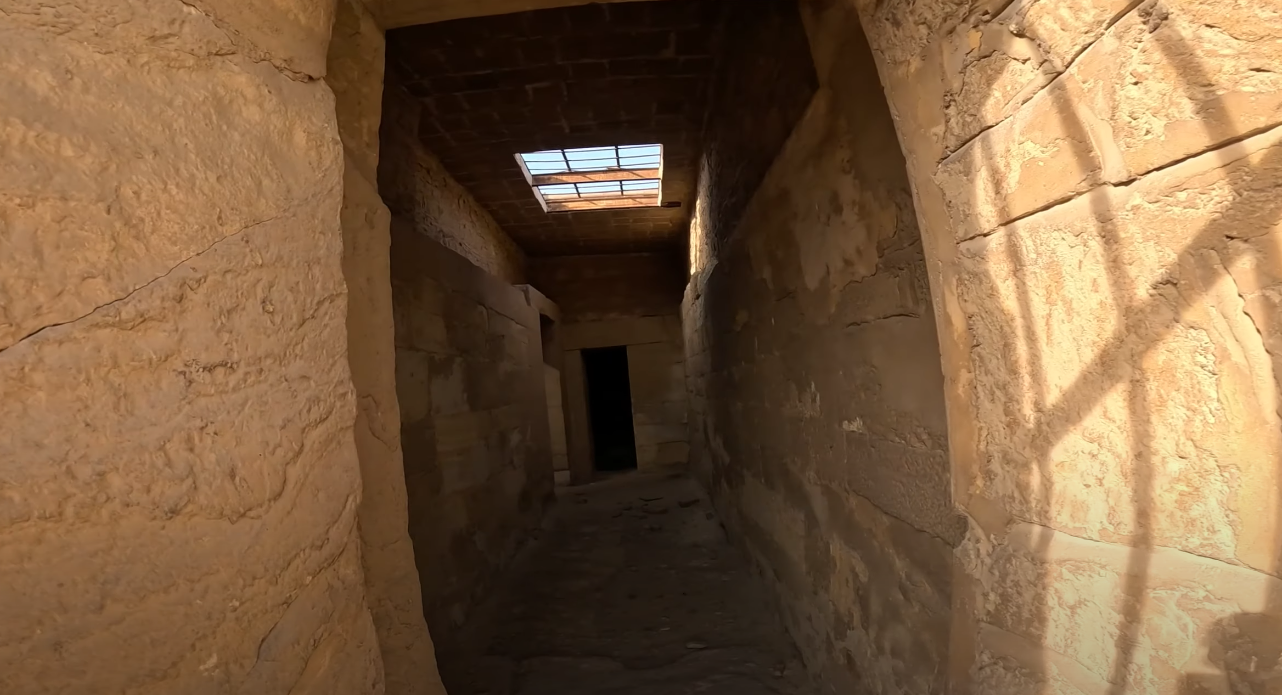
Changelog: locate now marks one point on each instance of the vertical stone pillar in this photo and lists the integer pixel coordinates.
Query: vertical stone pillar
(1096, 182)
(178, 479)
(356, 61)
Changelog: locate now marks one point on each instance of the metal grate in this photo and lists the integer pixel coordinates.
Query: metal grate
(590, 159)
(600, 189)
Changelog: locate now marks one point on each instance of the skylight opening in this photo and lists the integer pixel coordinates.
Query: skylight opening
(595, 178)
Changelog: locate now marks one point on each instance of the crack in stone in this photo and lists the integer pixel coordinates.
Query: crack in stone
(1217, 149)
(1055, 74)
(131, 293)
(884, 317)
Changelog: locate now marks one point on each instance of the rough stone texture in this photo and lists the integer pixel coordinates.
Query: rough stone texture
(474, 423)
(1085, 128)
(1203, 618)
(355, 75)
(765, 80)
(632, 591)
(391, 580)
(98, 184)
(817, 402)
(178, 479)
(1162, 297)
(289, 34)
(590, 76)
(1108, 331)
(179, 488)
(421, 192)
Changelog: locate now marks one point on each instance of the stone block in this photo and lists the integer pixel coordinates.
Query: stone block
(1177, 77)
(1066, 610)
(1049, 151)
(1114, 349)
(354, 73)
(192, 443)
(107, 204)
(994, 67)
(293, 35)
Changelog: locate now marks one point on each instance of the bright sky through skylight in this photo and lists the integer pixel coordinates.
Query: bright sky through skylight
(596, 189)
(587, 159)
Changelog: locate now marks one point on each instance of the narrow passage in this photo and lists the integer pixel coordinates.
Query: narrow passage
(632, 589)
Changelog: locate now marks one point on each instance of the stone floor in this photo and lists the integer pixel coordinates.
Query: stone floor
(632, 589)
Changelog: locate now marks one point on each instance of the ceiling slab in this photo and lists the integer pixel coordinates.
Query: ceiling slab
(585, 76)
(393, 14)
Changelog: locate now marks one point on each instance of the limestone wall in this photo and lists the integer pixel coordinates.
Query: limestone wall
(1096, 187)
(355, 69)
(631, 300)
(418, 189)
(179, 483)
(817, 397)
(474, 423)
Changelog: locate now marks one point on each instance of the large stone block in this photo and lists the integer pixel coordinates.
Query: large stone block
(1051, 150)
(194, 148)
(290, 34)
(1073, 615)
(1124, 390)
(1176, 77)
(996, 66)
(183, 476)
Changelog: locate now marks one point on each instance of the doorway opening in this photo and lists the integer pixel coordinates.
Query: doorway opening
(614, 446)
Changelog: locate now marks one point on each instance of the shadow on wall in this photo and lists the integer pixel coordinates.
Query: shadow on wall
(1247, 647)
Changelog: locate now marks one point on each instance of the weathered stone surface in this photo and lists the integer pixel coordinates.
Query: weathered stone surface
(755, 107)
(817, 414)
(391, 579)
(387, 554)
(1087, 127)
(418, 190)
(996, 66)
(1204, 626)
(1161, 405)
(290, 34)
(474, 422)
(179, 479)
(1197, 73)
(355, 74)
(1051, 150)
(98, 207)
(187, 451)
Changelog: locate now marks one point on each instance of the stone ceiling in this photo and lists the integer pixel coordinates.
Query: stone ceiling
(584, 76)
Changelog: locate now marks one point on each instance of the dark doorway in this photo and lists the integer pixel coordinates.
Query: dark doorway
(614, 447)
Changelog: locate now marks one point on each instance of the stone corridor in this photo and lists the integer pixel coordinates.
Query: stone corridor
(407, 347)
(631, 588)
